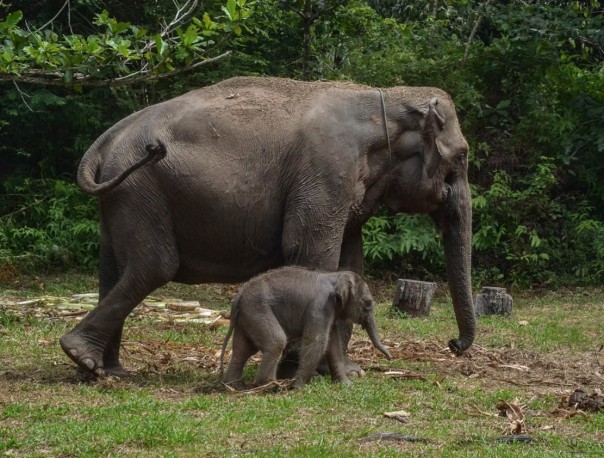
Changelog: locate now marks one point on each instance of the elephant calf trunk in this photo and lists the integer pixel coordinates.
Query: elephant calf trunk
(371, 329)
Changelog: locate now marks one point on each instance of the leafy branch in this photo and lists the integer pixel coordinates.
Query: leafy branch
(120, 53)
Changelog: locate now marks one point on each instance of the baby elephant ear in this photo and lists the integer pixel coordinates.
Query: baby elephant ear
(343, 289)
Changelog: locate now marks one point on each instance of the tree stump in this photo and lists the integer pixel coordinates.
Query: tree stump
(413, 297)
(493, 301)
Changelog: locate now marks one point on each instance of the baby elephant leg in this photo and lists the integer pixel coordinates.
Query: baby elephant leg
(272, 348)
(312, 350)
(335, 357)
(243, 349)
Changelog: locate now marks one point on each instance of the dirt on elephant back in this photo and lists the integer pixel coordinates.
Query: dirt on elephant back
(250, 99)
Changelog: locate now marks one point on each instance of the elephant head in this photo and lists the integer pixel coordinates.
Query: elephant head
(429, 175)
(356, 302)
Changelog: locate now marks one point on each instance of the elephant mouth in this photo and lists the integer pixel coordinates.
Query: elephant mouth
(424, 196)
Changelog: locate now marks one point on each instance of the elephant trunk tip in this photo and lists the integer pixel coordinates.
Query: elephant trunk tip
(458, 347)
(386, 354)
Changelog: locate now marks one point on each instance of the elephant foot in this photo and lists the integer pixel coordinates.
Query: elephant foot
(84, 354)
(298, 384)
(345, 381)
(456, 347)
(235, 385)
(352, 369)
(114, 371)
(112, 365)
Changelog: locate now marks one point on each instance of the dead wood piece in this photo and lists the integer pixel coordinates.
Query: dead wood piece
(493, 301)
(413, 297)
(274, 385)
(515, 438)
(398, 437)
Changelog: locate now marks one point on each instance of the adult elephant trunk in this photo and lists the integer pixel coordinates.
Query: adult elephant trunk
(455, 221)
(371, 329)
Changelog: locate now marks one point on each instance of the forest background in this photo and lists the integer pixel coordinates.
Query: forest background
(527, 78)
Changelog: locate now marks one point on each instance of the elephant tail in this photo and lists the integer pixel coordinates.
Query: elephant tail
(234, 314)
(91, 163)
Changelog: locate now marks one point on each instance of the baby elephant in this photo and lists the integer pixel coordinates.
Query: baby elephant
(290, 304)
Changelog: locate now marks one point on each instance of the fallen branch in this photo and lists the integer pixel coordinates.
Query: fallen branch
(398, 437)
(279, 384)
(116, 82)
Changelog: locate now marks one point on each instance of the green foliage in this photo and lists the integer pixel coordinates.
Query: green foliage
(411, 243)
(525, 237)
(526, 77)
(47, 223)
(118, 52)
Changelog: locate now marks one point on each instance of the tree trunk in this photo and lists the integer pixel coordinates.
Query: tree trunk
(493, 301)
(414, 297)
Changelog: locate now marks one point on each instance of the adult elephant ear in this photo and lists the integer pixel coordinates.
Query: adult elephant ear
(433, 148)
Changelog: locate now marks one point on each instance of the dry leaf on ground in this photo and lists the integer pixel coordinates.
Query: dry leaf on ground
(400, 415)
(513, 412)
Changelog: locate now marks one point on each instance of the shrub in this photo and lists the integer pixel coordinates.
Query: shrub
(47, 223)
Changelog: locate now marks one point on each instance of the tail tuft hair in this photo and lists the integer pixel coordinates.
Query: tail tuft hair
(157, 151)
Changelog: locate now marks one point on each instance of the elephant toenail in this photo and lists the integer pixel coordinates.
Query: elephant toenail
(73, 352)
(88, 363)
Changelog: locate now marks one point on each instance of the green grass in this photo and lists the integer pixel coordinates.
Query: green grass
(172, 405)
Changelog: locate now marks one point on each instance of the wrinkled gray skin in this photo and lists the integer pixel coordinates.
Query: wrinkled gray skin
(228, 181)
(294, 304)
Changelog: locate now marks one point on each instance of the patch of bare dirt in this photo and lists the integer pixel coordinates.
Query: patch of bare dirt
(539, 372)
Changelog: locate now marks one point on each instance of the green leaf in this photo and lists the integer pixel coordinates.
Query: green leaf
(11, 20)
(231, 6)
(227, 13)
(207, 22)
(68, 76)
(189, 36)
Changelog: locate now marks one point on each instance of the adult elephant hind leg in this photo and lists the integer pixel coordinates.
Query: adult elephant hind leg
(88, 342)
(108, 278)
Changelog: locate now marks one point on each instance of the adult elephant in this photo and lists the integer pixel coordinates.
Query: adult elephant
(254, 173)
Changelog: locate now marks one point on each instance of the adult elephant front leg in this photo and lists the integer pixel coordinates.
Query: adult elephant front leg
(351, 259)
(312, 237)
(313, 228)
